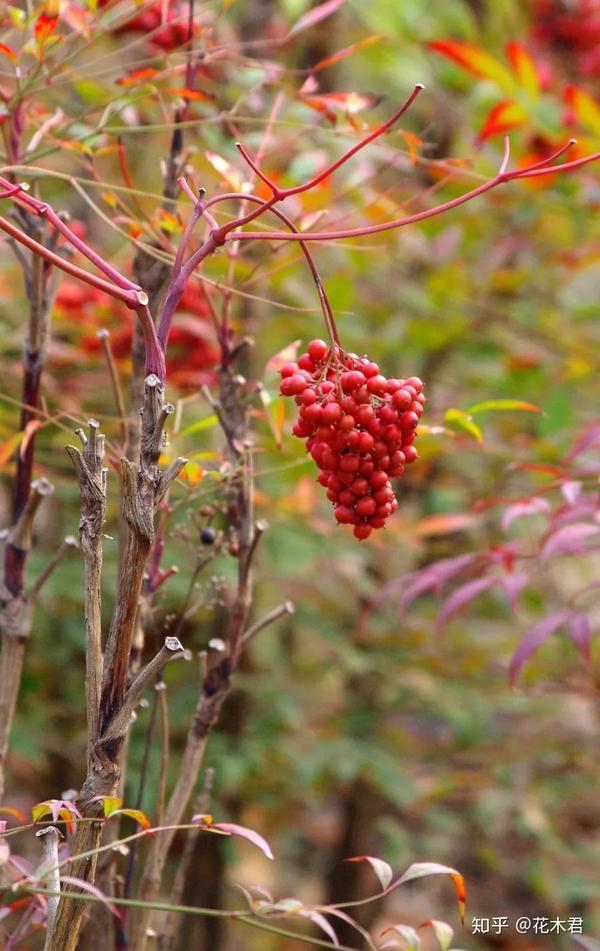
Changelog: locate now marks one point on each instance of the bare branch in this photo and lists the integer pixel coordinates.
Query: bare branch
(172, 649)
(69, 543)
(287, 608)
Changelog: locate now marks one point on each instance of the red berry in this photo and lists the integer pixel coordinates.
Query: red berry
(305, 363)
(360, 486)
(332, 413)
(416, 382)
(318, 350)
(402, 399)
(312, 413)
(309, 396)
(296, 383)
(347, 423)
(364, 442)
(343, 514)
(352, 380)
(377, 385)
(365, 506)
(369, 369)
(378, 480)
(365, 415)
(349, 463)
(347, 498)
(409, 420)
(410, 454)
(393, 385)
(288, 369)
(362, 530)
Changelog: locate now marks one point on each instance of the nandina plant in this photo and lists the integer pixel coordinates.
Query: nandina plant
(360, 427)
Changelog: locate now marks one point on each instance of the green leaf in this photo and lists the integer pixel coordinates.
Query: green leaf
(503, 405)
(205, 423)
(462, 420)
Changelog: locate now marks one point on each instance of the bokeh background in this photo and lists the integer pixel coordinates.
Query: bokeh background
(355, 726)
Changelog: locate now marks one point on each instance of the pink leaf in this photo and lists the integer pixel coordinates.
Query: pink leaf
(571, 491)
(353, 924)
(318, 919)
(87, 887)
(513, 583)
(230, 828)
(579, 630)
(461, 597)
(534, 638)
(279, 359)
(589, 439)
(382, 870)
(569, 540)
(521, 509)
(314, 16)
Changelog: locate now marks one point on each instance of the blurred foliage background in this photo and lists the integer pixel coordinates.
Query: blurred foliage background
(353, 727)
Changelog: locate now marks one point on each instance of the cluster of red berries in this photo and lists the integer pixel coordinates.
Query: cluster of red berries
(359, 428)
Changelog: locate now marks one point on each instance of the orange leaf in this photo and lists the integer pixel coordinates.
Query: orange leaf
(186, 93)
(506, 115)
(348, 102)
(476, 61)
(8, 52)
(137, 76)
(584, 107)
(139, 816)
(347, 51)
(461, 894)
(524, 67)
(11, 811)
(28, 433)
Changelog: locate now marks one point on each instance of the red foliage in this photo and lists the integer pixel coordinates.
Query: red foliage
(192, 355)
(573, 29)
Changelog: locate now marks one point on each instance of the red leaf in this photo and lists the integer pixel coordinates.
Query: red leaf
(461, 597)
(524, 68)
(477, 61)
(534, 639)
(45, 26)
(314, 16)
(503, 117)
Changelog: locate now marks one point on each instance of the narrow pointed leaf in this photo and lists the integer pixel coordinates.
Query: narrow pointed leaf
(579, 630)
(533, 506)
(140, 817)
(88, 887)
(503, 405)
(344, 53)
(463, 421)
(321, 922)
(382, 869)
(504, 116)
(524, 67)
(423, 869)
(534, 639)
(410, 937)
(314, 16)
(442, 930)
(461, 597)
(230, 828)
(570, 539)
(477, 61)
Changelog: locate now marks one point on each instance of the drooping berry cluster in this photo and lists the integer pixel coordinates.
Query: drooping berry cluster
(359, 428)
